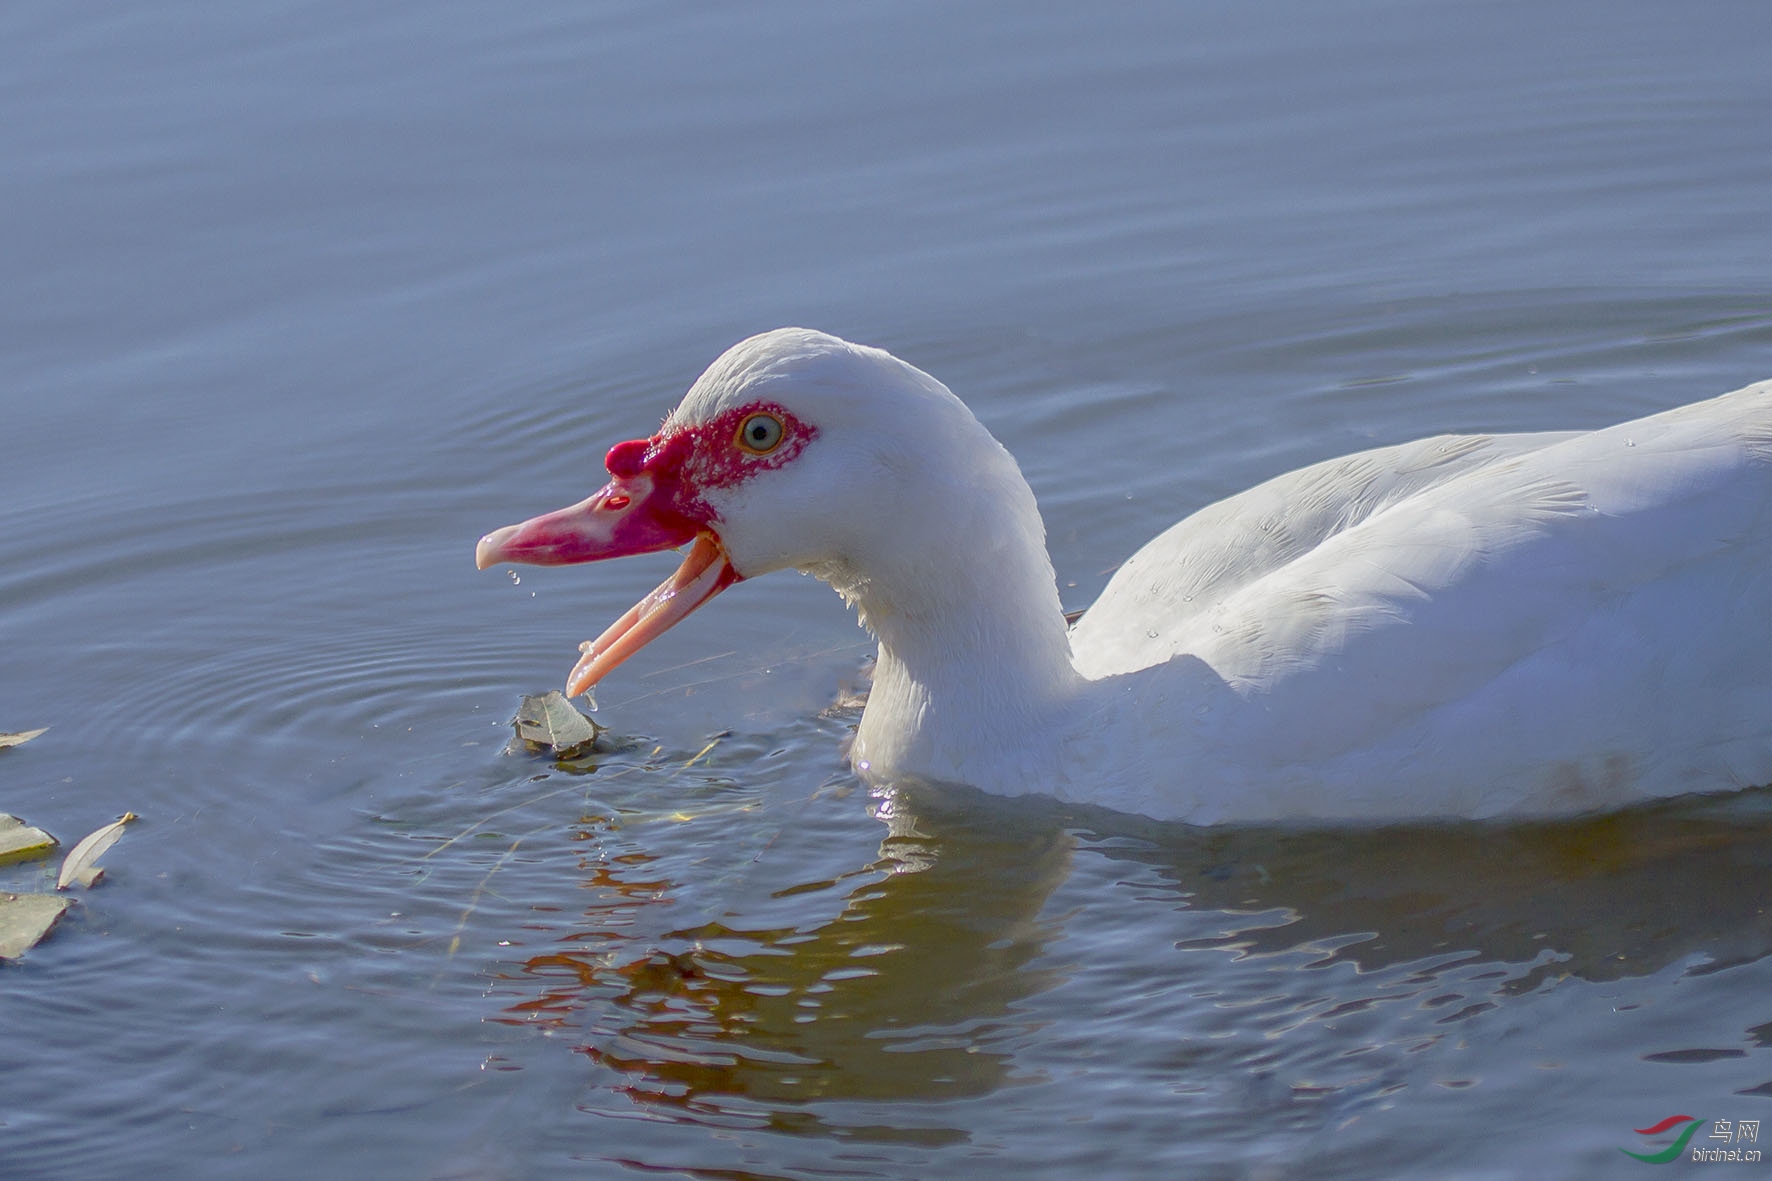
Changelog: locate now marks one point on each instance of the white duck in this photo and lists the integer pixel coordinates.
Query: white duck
(1465, 626)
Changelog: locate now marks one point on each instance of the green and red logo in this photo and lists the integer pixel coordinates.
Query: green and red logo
(1672, 1150)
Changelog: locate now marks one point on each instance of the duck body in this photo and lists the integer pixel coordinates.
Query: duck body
(1459, 627)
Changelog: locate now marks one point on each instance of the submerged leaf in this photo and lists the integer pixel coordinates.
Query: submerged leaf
(18, 839)
(79, 866)
(27, 918)
(19, 738)
(551, 722)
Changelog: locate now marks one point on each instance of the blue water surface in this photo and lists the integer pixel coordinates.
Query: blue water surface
(300, 298)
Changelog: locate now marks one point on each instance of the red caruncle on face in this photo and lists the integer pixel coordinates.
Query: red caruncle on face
(719, 453)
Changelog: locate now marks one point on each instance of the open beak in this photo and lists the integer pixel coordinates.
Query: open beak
(629, 515)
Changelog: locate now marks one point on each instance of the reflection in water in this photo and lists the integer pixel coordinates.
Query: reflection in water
(908, 992)
(1599, 898)
(929, 973)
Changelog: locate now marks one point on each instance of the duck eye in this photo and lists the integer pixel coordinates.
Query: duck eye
(760, 434)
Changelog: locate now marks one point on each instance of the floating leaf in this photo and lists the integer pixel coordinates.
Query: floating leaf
(25, 919)
(79, 866)
(19, 738)
(551, 722)
(20, 840)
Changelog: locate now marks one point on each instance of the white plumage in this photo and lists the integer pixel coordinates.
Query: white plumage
(1464, 626)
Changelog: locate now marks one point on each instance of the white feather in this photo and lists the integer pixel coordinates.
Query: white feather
(1461, 626)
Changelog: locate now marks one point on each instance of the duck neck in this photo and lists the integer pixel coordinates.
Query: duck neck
(974, 657)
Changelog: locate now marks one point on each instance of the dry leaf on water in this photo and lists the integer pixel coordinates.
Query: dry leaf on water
(551, 722)
(79, 866)
(21, 840)
(26, 918)
(19, 738)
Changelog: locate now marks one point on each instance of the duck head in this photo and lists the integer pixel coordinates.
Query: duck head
(795, 450)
